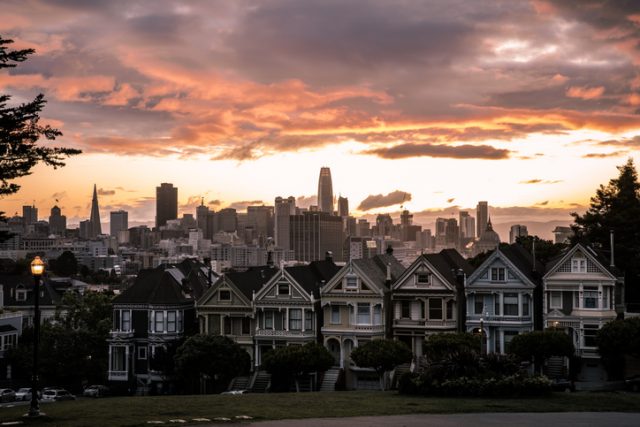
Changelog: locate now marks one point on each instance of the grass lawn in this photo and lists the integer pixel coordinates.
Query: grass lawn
(136, 411)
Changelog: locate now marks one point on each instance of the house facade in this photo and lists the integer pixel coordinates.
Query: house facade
(356, 308)
(425, 299)
(579, 298)
(500, 296)
(155, 313)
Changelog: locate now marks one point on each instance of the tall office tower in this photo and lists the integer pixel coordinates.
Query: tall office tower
(516, 231)
(29, 215)
(408, 231)
(85, 229)
(313, 234)
(227, 220)
(452, 233)
(441, 227)
(119, 222)
(212, 224)
(201, 218)
(384, 225)
(343, 206)
(260, 218)
(283, 210)
(57, 222)
(95, 227)
(467, 225)
(363, 229)
(482, 216)
(325, 191)
(166, 203)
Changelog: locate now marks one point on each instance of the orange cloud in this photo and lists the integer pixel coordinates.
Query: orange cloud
(585, 92)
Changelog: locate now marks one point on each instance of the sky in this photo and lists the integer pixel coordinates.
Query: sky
(432, 105)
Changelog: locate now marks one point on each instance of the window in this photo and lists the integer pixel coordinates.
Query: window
(308, 320)
(118, 356)
(180, 329)
(364, 314)
(351, 282)
(450, 309)
(405, 309)
(224, 295)
(555, 299)
(171, 321)
(525, 305)
(246, 326)
(478, 306)
(496, 304)
(214, 324)
(578, 265)
(268, 319)
(377, 315)
(283, 289)
(21, 295)
(295, 319)
(422, 278)
(142, 353)
(435, 308)
(590, 332)
(335, 314)
(590, 296)
(159, 318)
(497, 274)
(9, 342)
(227, 325)
(605, 299)
(510, 305)
(126, 320)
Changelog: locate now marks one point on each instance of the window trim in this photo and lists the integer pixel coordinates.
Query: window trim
(281, 286)
(335, 309)
(348, 279)
(551, 299)
(423, 283)
(499, 277)
(227, 291)
(142, 356)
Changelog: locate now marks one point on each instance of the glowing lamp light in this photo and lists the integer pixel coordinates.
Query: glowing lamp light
(37, 266)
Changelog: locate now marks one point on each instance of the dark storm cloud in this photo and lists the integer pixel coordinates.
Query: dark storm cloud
(432, 150)
(383, 200)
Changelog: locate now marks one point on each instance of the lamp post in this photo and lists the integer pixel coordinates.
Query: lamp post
(37, 269)
(481, 336)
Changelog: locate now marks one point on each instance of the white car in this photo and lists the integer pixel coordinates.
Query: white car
(7, 395)
(23, 394)
(57, 394)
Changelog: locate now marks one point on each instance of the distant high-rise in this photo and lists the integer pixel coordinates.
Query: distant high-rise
(516, 231)
(201, 218)
(283, 210)
(228, 220)
(313, 234)
(325, 191)
(95, 227)
(343, 206)
(482, 217)
(260, 218)
(29, 215)
(57, 222)
(467, 225)
(166, 204)
(119, 222)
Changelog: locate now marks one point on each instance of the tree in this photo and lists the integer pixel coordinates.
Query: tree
(439, 346)
(65, 265)
(288, 364)
(616, 340)
(545, 249)
(540, 345)
(616, 207)
(20, 131)
(382, 355)
(215, 356)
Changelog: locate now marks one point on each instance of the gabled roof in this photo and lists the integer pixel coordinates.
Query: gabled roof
(598, 258)
(51, 292)
(518, 258)
(447, 262)
(253, 279)
(312, 276)
(374, 269)
(154, 286)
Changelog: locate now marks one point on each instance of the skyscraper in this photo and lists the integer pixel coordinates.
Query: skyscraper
(517, 230)
(57, 222)
(166, 203)
(95, 227)
(325, 191)
(202, 212)
(313, 234)
(284, 208)
(119, 222)
(29, 215)
(482, 216)
(343, 206)
(467, 226)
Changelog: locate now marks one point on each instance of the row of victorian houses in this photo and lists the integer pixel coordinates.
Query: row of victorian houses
(342, 307)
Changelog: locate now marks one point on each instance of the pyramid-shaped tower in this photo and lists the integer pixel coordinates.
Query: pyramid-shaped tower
(96, 227)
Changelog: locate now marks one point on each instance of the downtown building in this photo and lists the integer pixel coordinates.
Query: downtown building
(313, 234)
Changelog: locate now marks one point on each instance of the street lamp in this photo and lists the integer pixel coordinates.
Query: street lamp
(481, 336)
(37, 269)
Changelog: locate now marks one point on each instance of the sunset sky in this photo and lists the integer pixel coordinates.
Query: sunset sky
(527, 104)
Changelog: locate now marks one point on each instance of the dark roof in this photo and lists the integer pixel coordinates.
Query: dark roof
(153, 286)
(7, 328)
(252, 279)
(376, 268)
(447, 262)
(312, 276)
(51, 296)
(523, 261)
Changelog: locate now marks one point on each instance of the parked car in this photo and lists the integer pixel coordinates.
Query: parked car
(57, 394)
(96, 391)
(7, 395)
(25, 394)
(633, 383)
(562, 384)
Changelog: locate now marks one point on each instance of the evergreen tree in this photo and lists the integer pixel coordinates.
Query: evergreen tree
(616, 207)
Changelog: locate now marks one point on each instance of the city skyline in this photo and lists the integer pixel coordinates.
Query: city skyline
(529, 105)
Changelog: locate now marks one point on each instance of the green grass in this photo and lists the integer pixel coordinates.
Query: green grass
(136, 411)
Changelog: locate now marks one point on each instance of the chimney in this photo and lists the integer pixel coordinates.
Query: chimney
(613, 264)
(533, 252)
(328, 256)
